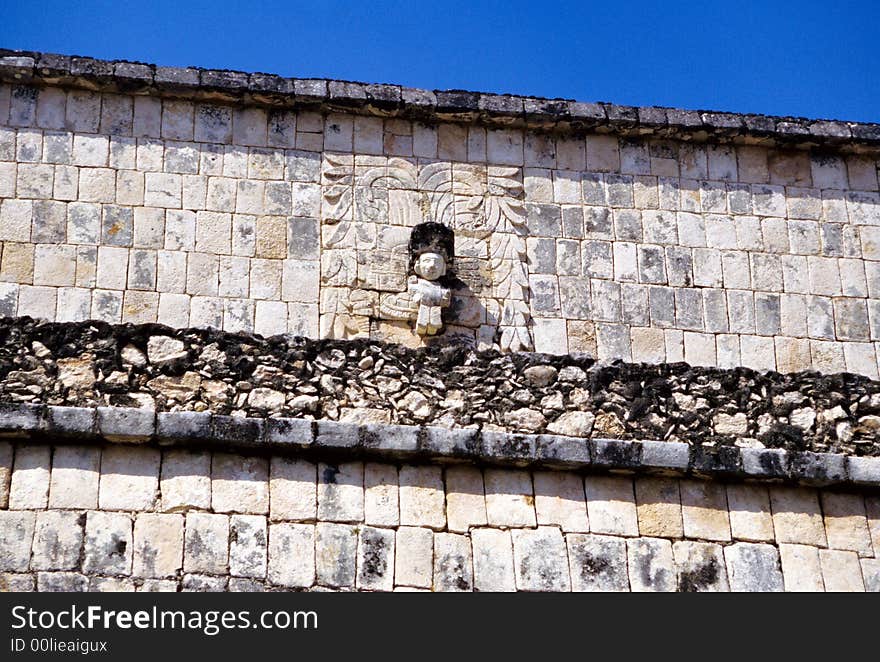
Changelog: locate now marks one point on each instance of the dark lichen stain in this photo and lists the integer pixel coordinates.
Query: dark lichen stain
(698, 579)
(329, 474)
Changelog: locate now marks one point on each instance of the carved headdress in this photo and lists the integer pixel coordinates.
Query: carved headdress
(432, 237)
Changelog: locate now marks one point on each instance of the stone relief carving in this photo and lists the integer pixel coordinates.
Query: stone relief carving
(369, 207)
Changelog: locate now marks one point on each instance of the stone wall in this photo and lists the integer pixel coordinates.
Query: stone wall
(131, 193)
(123, 518)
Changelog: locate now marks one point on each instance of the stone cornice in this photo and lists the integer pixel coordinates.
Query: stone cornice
(492, 110)
(411, 443)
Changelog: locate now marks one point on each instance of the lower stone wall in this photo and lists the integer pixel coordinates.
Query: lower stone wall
(123, 518)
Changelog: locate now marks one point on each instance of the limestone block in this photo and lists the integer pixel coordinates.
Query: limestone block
(597, 563)
(58, 539)
(704, 510)
(800, 568)
(559, 501)
(206, 543)
(381, 502)
(108, 543)
(248, 540)
(797, 517)
(841, 571)
(846, 524)
(292, 555)
(414, 556)
(129, 478)
(465, 498)
(186, 480)
(650, 565)
(871, 575)
(453, 563)
(203, 584)
(158, 545)
(16, 537)
(341, 492)
(611, 505)
(29, 487)
(540, 560)
(239, 484)
(699, 567)
(750, 515)
(375, 559)
(753, 567)
(509, 498)
(422, 498)
(493, 560)
(74, 479)
(61, 582)
(658, 507)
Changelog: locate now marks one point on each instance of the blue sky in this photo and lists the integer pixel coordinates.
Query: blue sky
(808, 58)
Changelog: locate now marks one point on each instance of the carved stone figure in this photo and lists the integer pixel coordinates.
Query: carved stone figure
(431, 247)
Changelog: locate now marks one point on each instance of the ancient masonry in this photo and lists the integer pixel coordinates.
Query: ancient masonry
(260, 333)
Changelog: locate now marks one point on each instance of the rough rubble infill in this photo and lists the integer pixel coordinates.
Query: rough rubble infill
(94, 364)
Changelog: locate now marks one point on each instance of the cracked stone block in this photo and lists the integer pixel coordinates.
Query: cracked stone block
(650, 565)
(375, 559)
(292, 489)
(453, 563)
(753, 567)
(597, 563)
(108, 544)
(58, 539)
(413, 563)
(292, 555)
(16, 538)
(158, 545)
(336, 554)
(206, 543)
(699, 567)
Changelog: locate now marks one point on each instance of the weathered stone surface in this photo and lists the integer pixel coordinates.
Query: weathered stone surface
(650, 565)
(58, 539)
(206, 544)
(381, 495)
(74, 480)
(597, 563)
(16, 537)
(336, 554)
(510, 500)
(797, 517)
(750, 515)
(413, 558)
(540, 560)
(493, 560)
(753, 567)
(292, 555)
(29, 487)
(129, 478)
(422, 501)
(341, 492)
(185, 480)
(108, 543)
(453, 563)
(292, 489)
(699, 567)
(375, 559)
(846, 523)
(248, 542)
(704, 510)
(158, 545)
(239, 485)
(61, 582)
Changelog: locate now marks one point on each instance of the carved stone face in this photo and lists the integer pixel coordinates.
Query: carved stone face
(430, 266)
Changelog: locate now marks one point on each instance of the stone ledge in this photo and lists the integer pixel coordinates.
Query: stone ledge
(409, 443)
(496, 110)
